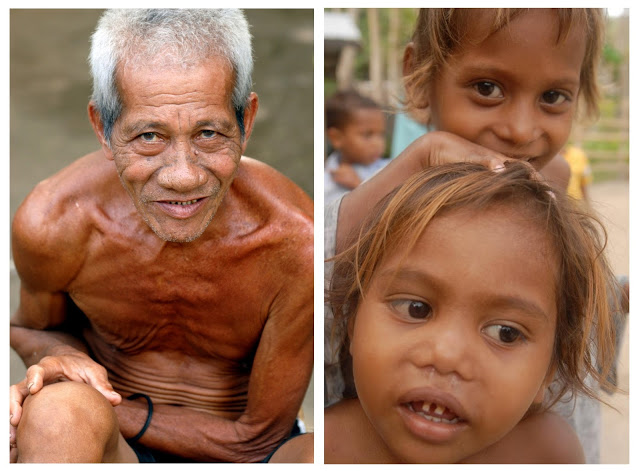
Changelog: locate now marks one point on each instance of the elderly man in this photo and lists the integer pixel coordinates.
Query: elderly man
(166, 282)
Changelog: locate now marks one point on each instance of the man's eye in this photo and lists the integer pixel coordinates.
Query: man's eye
(412, 309)
(553, 97)
(488, 89)
(149, 136)
(208, 134)
(503, 333)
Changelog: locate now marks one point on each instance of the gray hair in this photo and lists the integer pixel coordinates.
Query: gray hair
(174, 35)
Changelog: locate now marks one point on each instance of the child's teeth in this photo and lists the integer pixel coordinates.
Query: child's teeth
(435, 415)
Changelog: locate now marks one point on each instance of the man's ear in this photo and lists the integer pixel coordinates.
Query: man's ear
(335, 137)
(250, 112)
(98, 128)
(540, 395)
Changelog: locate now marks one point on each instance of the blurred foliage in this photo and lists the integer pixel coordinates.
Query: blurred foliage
(407, 21)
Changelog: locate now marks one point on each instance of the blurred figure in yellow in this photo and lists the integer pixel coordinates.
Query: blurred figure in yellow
(581, 175)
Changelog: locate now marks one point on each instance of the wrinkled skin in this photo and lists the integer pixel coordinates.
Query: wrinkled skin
(205, 307)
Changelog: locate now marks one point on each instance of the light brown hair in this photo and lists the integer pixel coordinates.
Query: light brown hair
(439, 32)
(584, 280)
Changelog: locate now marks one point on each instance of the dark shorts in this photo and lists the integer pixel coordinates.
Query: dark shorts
(147, 455)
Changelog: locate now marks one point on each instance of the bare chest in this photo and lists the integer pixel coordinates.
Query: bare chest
(211, 302)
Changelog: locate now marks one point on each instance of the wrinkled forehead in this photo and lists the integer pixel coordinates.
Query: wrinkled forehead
(141, 74)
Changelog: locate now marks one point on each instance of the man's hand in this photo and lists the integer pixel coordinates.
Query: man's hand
(68, 364)
(345, 176)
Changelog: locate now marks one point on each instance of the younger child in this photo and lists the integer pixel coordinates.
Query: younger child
(465, 294)
(356, 130)
(580, 174)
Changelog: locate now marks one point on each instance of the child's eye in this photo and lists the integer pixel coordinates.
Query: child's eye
(488, 89)
(411, 308)
(553, 97)
(503, 333)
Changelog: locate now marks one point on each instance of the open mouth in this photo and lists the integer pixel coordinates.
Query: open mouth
(184, 203)
(182, 209)
(434, 412)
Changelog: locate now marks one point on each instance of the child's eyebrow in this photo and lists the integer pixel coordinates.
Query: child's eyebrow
(519, 303)
(491, 70)
(491, 300)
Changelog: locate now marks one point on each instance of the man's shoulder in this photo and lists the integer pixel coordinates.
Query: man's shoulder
(281, 213)
(273, 197)
(262, 180)
(52, 224)
(64, 194)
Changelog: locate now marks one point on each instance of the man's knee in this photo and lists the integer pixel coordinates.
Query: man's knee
(68, 420)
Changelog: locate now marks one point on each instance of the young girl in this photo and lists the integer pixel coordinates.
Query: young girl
(494, 85)
(467, 292)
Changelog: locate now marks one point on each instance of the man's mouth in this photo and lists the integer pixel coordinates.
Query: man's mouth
(182, 209)
(434, 412)
(184, 203)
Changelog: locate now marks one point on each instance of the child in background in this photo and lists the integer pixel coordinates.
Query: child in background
(497, 85)
(356, 130)
(465, 294)
(581, 176)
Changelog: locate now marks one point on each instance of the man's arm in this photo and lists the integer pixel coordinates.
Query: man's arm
(48, 248)
(278, 381)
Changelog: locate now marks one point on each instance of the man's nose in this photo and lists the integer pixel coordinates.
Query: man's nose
(181, 171)
(520, 123)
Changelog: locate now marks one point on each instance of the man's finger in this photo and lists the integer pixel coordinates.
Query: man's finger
(17, 393)
(35, 378)
(98, 380)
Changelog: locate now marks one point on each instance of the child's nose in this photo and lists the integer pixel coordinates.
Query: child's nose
(520, 123)
(445, 348)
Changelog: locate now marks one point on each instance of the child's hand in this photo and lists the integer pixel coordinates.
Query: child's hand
(438, 148)
(433, 148)
(345, 176)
